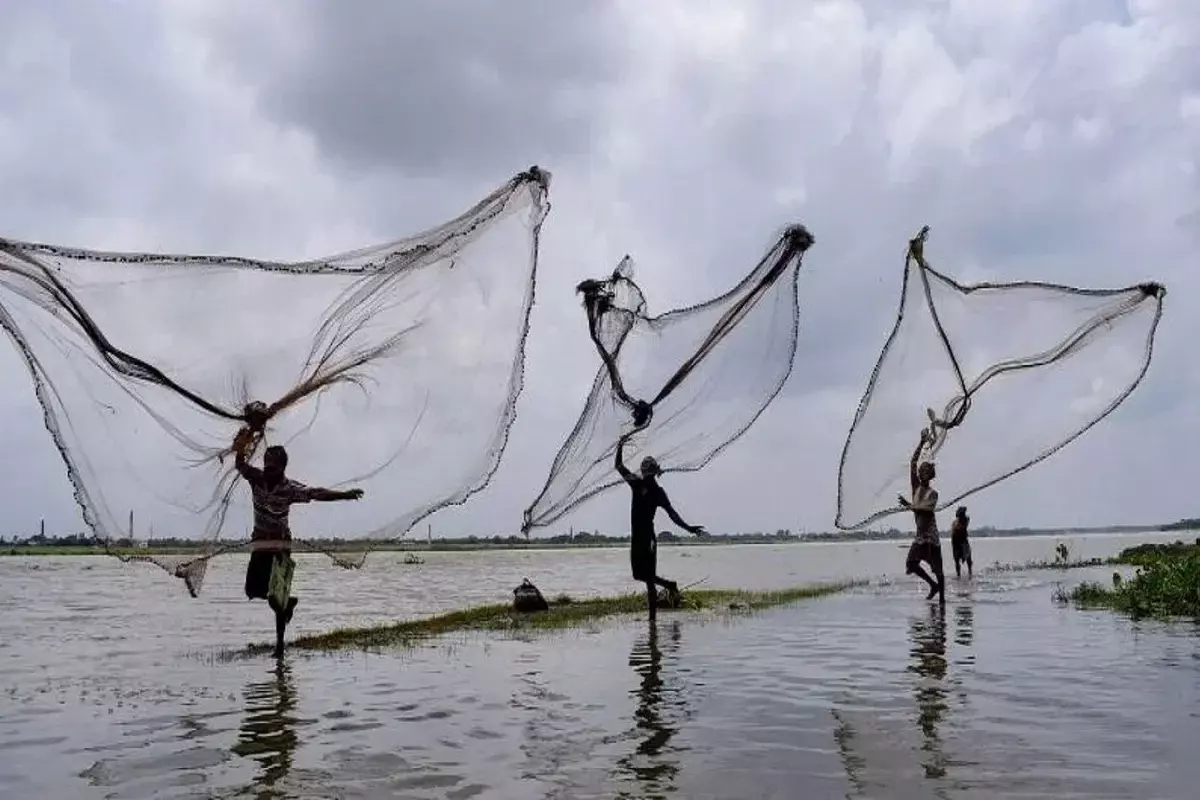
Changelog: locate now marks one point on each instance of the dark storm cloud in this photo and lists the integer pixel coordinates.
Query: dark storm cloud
(434, 88)
(1038, 140)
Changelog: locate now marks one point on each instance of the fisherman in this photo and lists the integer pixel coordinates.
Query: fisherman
(269, 574)
(926, 544)
(959, 544)
(648, 497)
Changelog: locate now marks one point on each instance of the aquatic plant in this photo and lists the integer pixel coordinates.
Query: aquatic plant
(1145, 553)
(565, 612)
(1165, 584)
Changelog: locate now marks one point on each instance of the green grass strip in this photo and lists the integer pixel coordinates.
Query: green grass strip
(564, 613)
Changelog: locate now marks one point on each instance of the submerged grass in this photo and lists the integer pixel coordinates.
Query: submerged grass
(565, 612)
(1166, 584)
(1062, 561)
(1029, 566)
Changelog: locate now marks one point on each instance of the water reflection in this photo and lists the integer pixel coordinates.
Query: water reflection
(928, 664)
(268, 730)
(964, 624)
(650, 764)
(845, 736)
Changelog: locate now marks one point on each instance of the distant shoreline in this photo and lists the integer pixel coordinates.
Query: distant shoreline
(582, 542)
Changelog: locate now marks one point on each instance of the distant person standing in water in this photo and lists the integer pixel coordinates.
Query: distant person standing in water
(926, 545)
(269, 573)
(959, 544)
(648, 497)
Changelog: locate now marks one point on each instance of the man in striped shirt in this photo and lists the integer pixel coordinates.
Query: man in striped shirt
(274, 494)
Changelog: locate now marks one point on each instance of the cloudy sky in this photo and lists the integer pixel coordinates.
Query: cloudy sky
(1040, 140)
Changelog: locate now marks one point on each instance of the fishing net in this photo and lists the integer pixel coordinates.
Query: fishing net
(1002, 375)
(688, 382)
(395, 369)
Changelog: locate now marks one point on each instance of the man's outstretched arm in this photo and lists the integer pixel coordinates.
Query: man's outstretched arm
(241, 455)
(620, 462)
(914, 479)
(320, 495)
(678, 520)
(916, 456)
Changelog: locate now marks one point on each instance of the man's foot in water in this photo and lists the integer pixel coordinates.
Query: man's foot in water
(291, 609)
(933, 591)
(674, 597)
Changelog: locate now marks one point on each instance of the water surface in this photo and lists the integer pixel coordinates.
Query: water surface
(110, 685)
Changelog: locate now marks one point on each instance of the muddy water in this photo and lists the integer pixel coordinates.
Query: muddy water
(109, 685)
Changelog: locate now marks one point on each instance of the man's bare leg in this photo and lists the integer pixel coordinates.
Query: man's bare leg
(280, 627)
(652, 599)
(672, 589)
(919, 571)
(282, 617)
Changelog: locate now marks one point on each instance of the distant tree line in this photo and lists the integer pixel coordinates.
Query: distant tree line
(583, 538)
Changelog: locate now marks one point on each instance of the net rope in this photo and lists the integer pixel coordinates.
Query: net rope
(1031, 365)
(681, 386)
(394, 368)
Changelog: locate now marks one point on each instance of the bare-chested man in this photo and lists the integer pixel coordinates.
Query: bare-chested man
(960, 546)
(926, 545)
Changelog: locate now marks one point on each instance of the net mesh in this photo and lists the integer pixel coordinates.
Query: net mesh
(688, 382)
(1003, 375)
(395, 369)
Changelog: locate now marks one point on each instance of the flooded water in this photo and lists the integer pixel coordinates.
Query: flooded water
(110, 685)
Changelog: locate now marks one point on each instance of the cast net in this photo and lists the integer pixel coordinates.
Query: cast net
(688, 382)
(1003, 375)
(395, 369)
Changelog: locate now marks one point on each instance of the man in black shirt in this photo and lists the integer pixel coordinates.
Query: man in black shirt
(648, 497)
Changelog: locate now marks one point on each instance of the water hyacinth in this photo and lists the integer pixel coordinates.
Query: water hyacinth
(1165, 584)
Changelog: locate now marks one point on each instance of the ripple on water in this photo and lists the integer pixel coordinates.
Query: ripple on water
(874, 693)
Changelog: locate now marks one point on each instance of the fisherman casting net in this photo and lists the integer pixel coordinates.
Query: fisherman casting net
(690, 381)
(1003, 376)
(394, 368)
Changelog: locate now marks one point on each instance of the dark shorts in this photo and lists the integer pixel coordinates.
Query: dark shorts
(961, 549)
(930, 553)
(258, 573)
(643, 558)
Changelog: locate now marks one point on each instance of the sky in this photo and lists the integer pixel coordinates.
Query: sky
(1053, 141)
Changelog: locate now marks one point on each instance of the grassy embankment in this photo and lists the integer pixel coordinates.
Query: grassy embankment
(1165, 584)
(564, 613)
